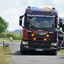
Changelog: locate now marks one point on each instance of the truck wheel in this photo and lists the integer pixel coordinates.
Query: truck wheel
(23, 52)
(54, 53)
(58, 49)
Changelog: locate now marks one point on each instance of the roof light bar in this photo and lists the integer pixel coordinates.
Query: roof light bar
(46, 8)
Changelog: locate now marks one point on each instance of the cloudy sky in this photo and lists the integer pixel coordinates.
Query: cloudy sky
(10, 10)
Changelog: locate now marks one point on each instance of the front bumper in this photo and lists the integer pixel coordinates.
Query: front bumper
(39, 49)
(38, 46)
(62, 47)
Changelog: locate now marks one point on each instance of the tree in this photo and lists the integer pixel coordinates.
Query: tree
(3, 25)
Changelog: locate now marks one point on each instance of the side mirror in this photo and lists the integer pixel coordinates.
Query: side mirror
(20, 17)
(60, 22)
(20, 21)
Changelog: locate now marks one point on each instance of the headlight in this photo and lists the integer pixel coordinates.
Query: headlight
(47, 35)
(25, 42)
(53, 44)
(51, 32)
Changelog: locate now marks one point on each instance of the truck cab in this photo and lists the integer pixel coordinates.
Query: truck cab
(39, 30)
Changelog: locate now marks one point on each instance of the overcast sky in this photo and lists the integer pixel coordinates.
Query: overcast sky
(10, 10)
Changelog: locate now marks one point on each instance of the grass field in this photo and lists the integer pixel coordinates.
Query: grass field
(4, 57)
(8, 40)
(61, 51)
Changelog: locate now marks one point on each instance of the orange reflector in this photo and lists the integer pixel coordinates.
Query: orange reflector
(45, 39)
(32, 34)
(47, 35)
(34, 38)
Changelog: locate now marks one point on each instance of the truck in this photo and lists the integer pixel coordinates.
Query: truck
(39, 30)
(60, 34)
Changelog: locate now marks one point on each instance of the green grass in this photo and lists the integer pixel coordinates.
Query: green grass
(8, 40)
(4, 57)
(10, 34)
(61, 51)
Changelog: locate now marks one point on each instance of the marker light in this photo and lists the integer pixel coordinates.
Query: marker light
(47, 35)
(46, 7)
(45, 39)
(49, 8)
(32, 34)
(34, 7)
(34, 38)
(26, 10)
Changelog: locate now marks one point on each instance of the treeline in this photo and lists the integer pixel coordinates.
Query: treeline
(4, 33)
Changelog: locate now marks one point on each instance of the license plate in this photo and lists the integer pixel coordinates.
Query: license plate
(41, 33)
(39, 49)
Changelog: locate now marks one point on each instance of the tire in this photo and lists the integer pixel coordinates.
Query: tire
(23, 52)
(54, 53)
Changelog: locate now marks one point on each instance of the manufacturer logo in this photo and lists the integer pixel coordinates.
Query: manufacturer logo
(41, 32)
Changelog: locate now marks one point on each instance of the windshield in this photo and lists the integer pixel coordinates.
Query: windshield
(41, 22)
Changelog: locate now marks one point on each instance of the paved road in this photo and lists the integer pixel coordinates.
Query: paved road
(33, 58)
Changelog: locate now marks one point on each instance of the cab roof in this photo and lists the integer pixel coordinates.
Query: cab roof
(41, 10)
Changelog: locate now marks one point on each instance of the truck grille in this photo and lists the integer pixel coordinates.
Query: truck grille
(60, 38)
(36, 44)
(39, 42)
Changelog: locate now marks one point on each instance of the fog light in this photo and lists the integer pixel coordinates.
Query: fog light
(47, 35)
(45, 39)
(34, 38)
(32, 34)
